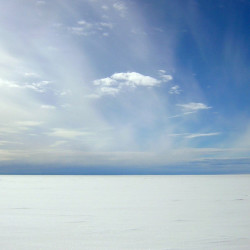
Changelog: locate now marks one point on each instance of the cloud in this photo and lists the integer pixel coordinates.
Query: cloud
(194, 106)
(84, 28)
(17, 127)
(31, 75)
(134, 79)
(40, 86)
(175, 90)
(29, 123)
(80, 31)
(69, 133)
(189, 108)
(58, 143)
(109, 90)
(164, 77)
(85, 24)
(121, 8)
(48, 107)
(190, 136)
(3, 143)
(194, 135)
(106, 25)
(162, 71)
(108, 81)
(105, 7)
(9, 84)
(113, 84)
(40, 2)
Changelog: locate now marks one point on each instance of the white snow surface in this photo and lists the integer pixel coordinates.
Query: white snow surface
(125, 212)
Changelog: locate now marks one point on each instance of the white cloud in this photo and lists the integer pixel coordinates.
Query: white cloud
(37, 86)
(48, 107)
(113, 84)
(17, 127)
(162, 71)
(175, 90)
(84, 23)
(9, 84)
(84, 28)
(108, 81)
(58, 143)
(105, 7)
(109, 90)
(165, 77)
(134, 79)
(194, 135)
(182, 114)
(201, 135)
(69, 133)
(106, 25)
(31, 75)
(40, 2)
(80, 31)
(40, 86)
(10, 143)
(194, 106)
(29, 123)
(93, 96)
(120, 7)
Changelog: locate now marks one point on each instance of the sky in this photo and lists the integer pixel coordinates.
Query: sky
(119, 87)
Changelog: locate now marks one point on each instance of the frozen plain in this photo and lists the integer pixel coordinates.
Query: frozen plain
(124, 212)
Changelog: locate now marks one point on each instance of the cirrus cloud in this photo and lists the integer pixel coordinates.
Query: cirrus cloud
(194, 106)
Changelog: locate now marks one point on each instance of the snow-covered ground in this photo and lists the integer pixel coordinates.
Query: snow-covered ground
(124, 212)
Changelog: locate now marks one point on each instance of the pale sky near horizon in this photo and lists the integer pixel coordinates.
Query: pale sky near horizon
(123, 84)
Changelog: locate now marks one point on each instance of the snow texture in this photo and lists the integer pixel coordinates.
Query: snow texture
(124, 212)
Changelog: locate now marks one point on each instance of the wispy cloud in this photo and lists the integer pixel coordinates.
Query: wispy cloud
(190, 136)
(194, 106)
(58, 143)
(120, 7)
(29, 123)
(45, 106)
(18, 127)
(40, 2)
(84, 28)
(40, 86)
(31, 75)
(194, 135)
(165, 77)
(175, 90)
(68, 133)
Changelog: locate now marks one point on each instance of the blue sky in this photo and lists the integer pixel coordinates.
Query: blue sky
(108, 86)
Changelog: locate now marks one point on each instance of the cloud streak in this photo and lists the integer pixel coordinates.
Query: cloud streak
(190, 136)
(194, 106)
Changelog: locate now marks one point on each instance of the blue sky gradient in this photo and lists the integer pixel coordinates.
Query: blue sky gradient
(137, 87)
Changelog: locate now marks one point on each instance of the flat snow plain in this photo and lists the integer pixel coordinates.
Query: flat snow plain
(125, 212)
